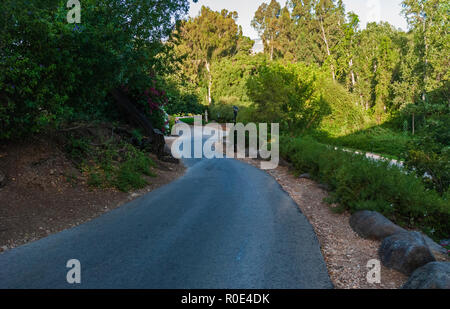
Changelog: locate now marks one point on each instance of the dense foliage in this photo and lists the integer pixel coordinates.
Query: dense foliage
(359, 183)
(52, 71)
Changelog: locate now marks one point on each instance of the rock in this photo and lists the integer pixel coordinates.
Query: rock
(167, 150)
(285, 163)
(306, 175)
(324, 187)
(405, 252)
(434, 275)
(2, 179)
(373, 225)
(439, 252)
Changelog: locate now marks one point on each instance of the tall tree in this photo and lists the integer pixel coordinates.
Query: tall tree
(267, 25)
(429, 21)
(320, 24)
(378, 53)
(345, 52)
(209, 37)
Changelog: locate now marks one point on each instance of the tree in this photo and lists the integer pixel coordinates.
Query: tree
(378, 54)
(266, 23)
(429, 24)
(208, 38)
(319, 24)
(345, 52)
(53, 71)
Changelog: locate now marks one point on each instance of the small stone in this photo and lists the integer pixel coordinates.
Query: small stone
(434, 275)
(324, 187)
(306, 176)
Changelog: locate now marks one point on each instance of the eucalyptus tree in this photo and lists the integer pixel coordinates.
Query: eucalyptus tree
(206, 39)
(320, 24)
(429, 21)
(266, 22)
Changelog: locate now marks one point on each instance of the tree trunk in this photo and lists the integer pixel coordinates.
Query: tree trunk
(324, 37)
(271, 52)
(425, 73)
(352, 74)
(208, 68)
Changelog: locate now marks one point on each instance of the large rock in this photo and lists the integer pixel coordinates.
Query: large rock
(434, 275)
(373, 225)
(405, 252)
(2, 179)
(439, 252)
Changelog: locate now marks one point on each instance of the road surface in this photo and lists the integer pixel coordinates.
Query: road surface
(224, 224)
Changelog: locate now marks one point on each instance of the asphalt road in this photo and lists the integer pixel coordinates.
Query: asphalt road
(224, 224)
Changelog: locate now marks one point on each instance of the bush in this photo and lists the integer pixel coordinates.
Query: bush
(52, 71)
(360, 183)
(222, 111)
(430, 153)
(301, 97)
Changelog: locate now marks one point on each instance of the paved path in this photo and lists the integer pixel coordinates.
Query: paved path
(225, 224)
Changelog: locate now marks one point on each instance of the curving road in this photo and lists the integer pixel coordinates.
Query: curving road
(224, 224)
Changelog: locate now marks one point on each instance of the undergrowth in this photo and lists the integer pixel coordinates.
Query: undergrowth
(359, 183)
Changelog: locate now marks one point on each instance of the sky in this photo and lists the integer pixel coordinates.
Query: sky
(367, 10)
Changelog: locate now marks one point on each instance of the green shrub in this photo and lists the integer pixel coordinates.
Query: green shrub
(95, 180)
(129, 173)
(430, 153)
(301, 97)
(361, 183)
(376, 139)
(246, 114)
(53, 71)
(222, 111)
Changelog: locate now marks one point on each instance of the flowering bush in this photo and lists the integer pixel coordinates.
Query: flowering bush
(151, 101)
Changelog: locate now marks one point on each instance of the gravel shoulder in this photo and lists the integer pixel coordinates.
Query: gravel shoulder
(345, 253)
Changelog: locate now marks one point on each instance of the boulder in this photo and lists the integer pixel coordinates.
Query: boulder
(306, 176)
(373, 225)
(434, 275)
(324, 186)
(439, 252)
(405, 252)
(2, 179)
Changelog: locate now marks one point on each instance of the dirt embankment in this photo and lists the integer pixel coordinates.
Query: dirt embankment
(45, 193)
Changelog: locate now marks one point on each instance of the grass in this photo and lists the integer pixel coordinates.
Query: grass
(383, 141)
(112, 165)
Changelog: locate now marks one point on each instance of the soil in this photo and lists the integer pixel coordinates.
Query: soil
(45, 193)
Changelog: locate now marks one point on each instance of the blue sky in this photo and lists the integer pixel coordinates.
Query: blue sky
(368, 10)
